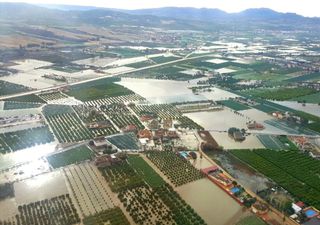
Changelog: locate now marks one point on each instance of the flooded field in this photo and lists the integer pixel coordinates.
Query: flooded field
(217, 94)
(25, 171)
(40, 187)
(251, 142)
(313, 109)
(161, 91)
(245, 175)
(210, 202)
(26, 155)
(218, 120)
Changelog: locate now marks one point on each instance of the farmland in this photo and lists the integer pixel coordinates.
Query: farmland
(52, 96)
(234, 105)
(26, 98)
(280, 94)
(292, 170)
(120, 115)
(89, 189)
(121, 176)
(178, 170)
(68, 127)
(14, 141)
(251, 220)
(144, 170)
(7, 88)
(98, 91)
(164, 111)
(157, 203)
(118, 99)
(72, 156)
(58, 210)
(112, 216)
(8, 105)
(92, 116)
(126, 141)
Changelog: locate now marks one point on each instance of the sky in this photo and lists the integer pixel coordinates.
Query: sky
(303, 7)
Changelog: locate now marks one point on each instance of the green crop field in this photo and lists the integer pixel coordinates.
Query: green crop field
(99, 91)
(18, 140)
(7, 88)
(144, 170)
(75, 155)
(294, 171)
(234, 105)
(312, 98)
(280, 94)
(112, 216)
(251, 220)
(174, 167)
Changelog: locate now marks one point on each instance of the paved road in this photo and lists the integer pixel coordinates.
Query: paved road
(100, 78)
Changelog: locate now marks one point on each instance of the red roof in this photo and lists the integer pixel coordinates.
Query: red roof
(209, 169)
(300, 204)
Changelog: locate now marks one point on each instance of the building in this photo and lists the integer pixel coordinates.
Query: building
(145, 134)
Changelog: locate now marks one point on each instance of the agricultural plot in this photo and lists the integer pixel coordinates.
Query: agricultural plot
(121, 115)
(294, 171)
(26, 98)
(8, 105)
(59, 210)
(72, 156)
(53, 110)
(121, 177)
(118, 99)
(147, 205)
(91, 116)
(162, 73)
(271, 142)
(145, 171)
(7, 88)
(308, 77)
(164, 59)
(290, 128)
(313, 98)
(18, 140)
(68, 127)
(280, 94)
(251, 220)
(52, 96)
(163, 111)
(123, 121)
(126, 141)
(187, 123)
(141, 64)
(234, 105)
(178, 170)
(112, 216)
(88, 188)
(90, 93)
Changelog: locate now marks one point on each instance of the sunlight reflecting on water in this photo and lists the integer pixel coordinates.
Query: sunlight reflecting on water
(26, 155)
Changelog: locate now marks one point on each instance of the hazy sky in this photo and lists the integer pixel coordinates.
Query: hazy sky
(303, 7)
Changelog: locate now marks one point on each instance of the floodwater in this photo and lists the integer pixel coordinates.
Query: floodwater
(313, 109)
(218, 120)
(161, 91)
(211, 203)
(245, 175)
(27, 155)
(223, 139)
(40, 187)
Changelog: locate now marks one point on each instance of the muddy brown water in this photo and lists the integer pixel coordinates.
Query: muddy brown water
(244, 174)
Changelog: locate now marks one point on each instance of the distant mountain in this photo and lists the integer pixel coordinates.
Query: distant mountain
(202, 14)
(205, 14)
(169, 18)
